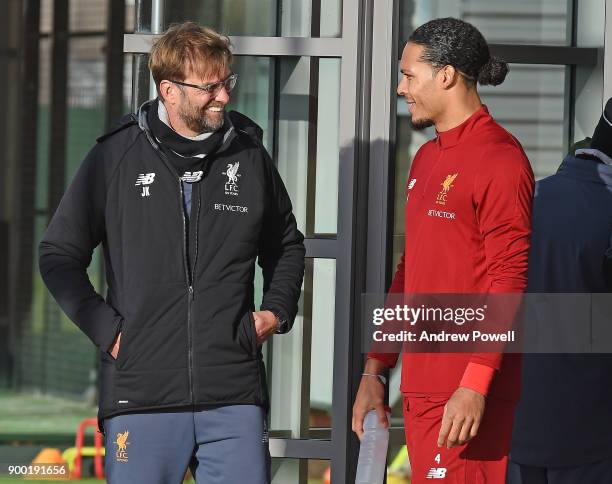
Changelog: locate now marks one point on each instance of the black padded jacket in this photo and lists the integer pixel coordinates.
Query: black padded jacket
(184, 307)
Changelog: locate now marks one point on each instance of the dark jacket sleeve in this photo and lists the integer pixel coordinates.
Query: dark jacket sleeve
(66, 249)
(281, 250)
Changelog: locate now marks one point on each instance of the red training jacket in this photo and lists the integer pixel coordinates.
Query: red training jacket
(468, 222)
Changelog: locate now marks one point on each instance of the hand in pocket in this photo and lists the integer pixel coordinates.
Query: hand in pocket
(266, 324)
(115, 346)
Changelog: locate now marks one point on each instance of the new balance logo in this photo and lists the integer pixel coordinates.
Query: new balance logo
(436, 473)
(192, 177)
(410, 187)
(145, 179)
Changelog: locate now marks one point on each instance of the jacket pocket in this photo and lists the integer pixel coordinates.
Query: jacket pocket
(123, 346)
(428, 407)
(247, 336)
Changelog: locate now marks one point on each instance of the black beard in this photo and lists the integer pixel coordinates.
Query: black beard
(421, 124)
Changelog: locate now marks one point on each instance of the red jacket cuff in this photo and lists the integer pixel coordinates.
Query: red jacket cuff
(477, 377)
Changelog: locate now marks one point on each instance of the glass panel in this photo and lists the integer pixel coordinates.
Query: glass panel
(292, 133)
(327, 157)
(246, 17)
(322, 359)
(500, 21)
(86, 95)
(252, 95)
(46, 16)
(88, 15)
(304, 19)
(307, 135)
(128, 60)
(130, 16)
(299, 362)
(590, 29)
(530, 104)
(231, 17)
(331, 18)
(42, 142)
(143, 87)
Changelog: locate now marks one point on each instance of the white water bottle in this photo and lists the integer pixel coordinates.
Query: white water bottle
(372, 463)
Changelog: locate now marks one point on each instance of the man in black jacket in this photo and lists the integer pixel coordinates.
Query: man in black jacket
(184, 198)
(563, 421)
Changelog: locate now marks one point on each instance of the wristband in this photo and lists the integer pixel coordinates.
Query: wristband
(382, 379)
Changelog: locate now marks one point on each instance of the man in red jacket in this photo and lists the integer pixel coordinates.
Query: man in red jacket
(468, 211)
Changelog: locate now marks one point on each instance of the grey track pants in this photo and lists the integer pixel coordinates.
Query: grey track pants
(221, 445)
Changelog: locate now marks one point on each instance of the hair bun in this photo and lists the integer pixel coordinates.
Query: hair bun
(493, 72)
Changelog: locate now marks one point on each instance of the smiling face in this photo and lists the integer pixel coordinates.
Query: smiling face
(420, 88)
(199, 111)
(193, 111)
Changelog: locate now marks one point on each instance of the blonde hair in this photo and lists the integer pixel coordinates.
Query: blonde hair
(189, 48)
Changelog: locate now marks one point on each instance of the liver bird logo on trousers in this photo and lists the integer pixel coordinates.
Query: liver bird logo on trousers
(122, 444)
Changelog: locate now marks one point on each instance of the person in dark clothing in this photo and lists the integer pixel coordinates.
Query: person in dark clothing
(563, 422)
(184, 199)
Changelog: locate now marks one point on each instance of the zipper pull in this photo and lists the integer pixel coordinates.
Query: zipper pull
(191, 292)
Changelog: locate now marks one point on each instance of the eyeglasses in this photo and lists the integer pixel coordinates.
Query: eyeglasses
(213, 88)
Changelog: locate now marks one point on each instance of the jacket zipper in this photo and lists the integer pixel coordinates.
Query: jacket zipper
(188, 273)
(195, 258)
(431, 172)
(192, 295)
(188, 276)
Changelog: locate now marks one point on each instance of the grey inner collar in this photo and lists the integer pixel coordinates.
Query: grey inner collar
(163, 116)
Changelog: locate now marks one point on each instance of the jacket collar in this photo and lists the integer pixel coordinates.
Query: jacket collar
(596, 153)
(143, 124)
(453, 136)
(586, 170)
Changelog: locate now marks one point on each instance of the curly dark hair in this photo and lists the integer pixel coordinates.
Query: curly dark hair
(454, 42)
